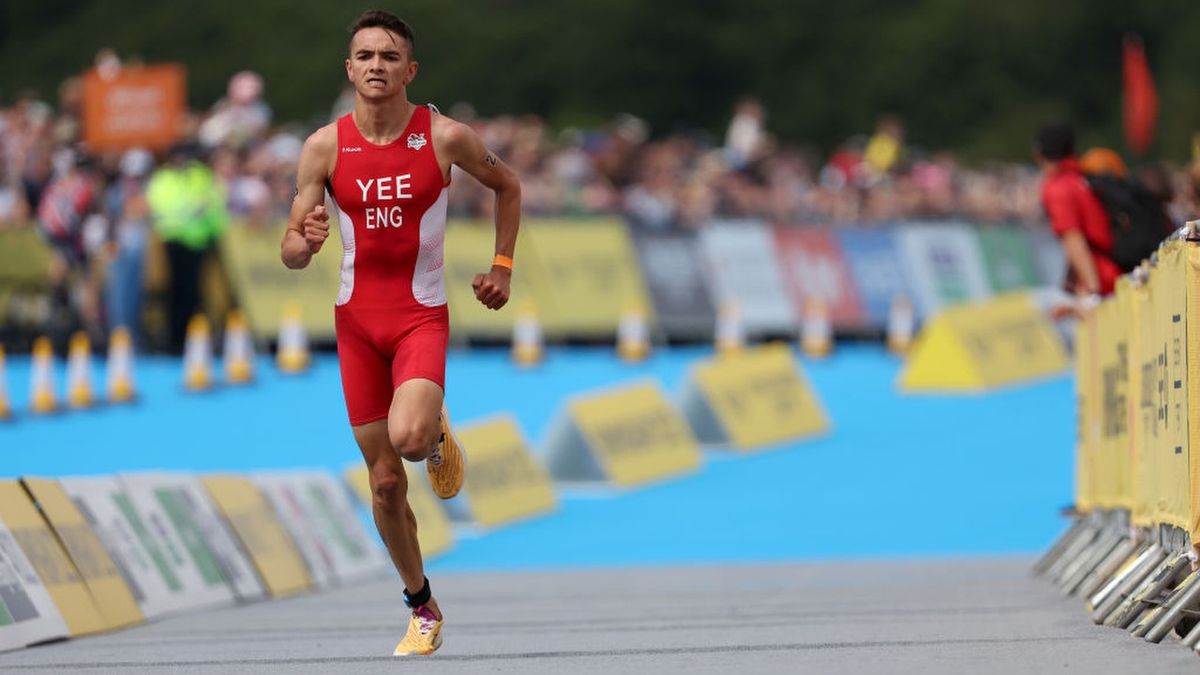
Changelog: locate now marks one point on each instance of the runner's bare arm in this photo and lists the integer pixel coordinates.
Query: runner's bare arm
(308, 223)
(465, 149)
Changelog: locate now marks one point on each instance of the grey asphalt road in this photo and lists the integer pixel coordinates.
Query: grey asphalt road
(970, 616)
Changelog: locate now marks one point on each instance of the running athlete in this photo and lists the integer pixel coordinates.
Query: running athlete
(386, 167)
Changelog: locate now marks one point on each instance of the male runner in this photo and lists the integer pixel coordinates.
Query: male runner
(386, 167)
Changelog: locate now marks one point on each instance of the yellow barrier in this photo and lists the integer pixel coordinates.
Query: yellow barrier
(504, 482)
(977, 346)
(1139, 392)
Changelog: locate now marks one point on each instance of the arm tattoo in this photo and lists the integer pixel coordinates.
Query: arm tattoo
(490, 160)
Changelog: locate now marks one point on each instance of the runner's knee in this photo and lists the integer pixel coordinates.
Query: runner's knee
(411, 440)
(389, 486)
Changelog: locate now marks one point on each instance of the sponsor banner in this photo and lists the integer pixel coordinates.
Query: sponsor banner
(585, 275)
(815, 267)
(944, 265)
(878, 271)
(264, 287)
(263, 537)
(161, 576)
(433, 526)
(505, 483)
(1048, 257)
(752, 398)
(678, 283)
(197, 525)
(27, 612)
(317, 512)
(740, 255)
(628, 435)
(138, 107)
(1008, 258)
(68, 590)
(977, 346)
(469, 249)
(108, 583)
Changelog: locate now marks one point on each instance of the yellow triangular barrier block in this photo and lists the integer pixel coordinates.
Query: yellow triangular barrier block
(505, 482)
(816, 330)
(263, 537)
(528, 341)
(42, 398)
(5, 402)
(633, 335)
(901, 323)
(119, 379)
(50, 561)
(292, 355)
(433, 526)
(629, 434)
(238, 352)
(752, 398)
(197, 355)
(730, 334)
(972, 347)
(107, 584)
(79, 372)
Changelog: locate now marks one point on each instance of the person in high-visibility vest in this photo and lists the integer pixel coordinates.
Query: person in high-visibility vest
(187, 205)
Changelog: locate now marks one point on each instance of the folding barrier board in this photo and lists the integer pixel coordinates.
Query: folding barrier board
(316, 510)
(111, 585)
(977, 346)
(263, 537)
(198, 526)
(740, 256)
(504, 482)
(56, 571)
(27, 612)
(752, 399)
(433, 526)
(161, 575)
(629, 435)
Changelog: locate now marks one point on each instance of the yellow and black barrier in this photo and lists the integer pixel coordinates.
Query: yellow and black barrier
(1132, 549)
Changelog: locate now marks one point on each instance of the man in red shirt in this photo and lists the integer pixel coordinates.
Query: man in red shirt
(1076, 214)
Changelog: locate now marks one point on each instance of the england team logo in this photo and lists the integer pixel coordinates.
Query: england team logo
(416, 141)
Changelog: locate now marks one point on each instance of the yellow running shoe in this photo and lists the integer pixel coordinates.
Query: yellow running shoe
(424, 634)
(447, 465)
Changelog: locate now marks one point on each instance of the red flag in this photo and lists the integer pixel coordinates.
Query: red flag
(1141, 101)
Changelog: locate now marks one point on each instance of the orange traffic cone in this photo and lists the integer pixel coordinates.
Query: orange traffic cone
(197, 355)
(42, 398)
(119, 378)
(293, 355)
(5, 404)
(730, 334)
(633, 335)
(239, 349)
(79, 372)
(816, 330)
(900, 325)
(528, 343)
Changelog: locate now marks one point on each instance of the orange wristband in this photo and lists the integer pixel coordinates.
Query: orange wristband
(502, 261)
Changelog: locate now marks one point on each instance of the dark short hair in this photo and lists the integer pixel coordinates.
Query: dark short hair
(377, 18)
(1055, 141)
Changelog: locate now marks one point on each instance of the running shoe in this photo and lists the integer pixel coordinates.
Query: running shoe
(447, 465)
(424, 634)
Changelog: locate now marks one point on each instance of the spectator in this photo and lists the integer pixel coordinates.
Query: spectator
(187, 207)
(125, 201)
(1076, 214)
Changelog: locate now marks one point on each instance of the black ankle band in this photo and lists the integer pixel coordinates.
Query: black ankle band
(421, 597)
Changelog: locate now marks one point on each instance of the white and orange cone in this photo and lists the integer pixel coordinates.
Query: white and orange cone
(292, 355)
(528, 341)
(901, 325)
(6, 411)
(80, 393)
(633, 335)
(816, 330)
(119, 376)
(730, 334)
(239, 349)
(197, 355)
(42, 397)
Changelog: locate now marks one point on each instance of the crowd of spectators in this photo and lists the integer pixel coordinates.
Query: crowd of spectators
(95, 210)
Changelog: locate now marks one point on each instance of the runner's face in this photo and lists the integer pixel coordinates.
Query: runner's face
(380, 63)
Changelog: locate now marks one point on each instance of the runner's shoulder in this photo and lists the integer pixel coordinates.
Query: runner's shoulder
(321, 146)
(448, 132)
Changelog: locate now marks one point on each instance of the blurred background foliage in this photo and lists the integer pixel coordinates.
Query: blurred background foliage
(975, 77)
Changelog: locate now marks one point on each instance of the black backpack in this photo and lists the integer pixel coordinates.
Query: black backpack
(1136, 217)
